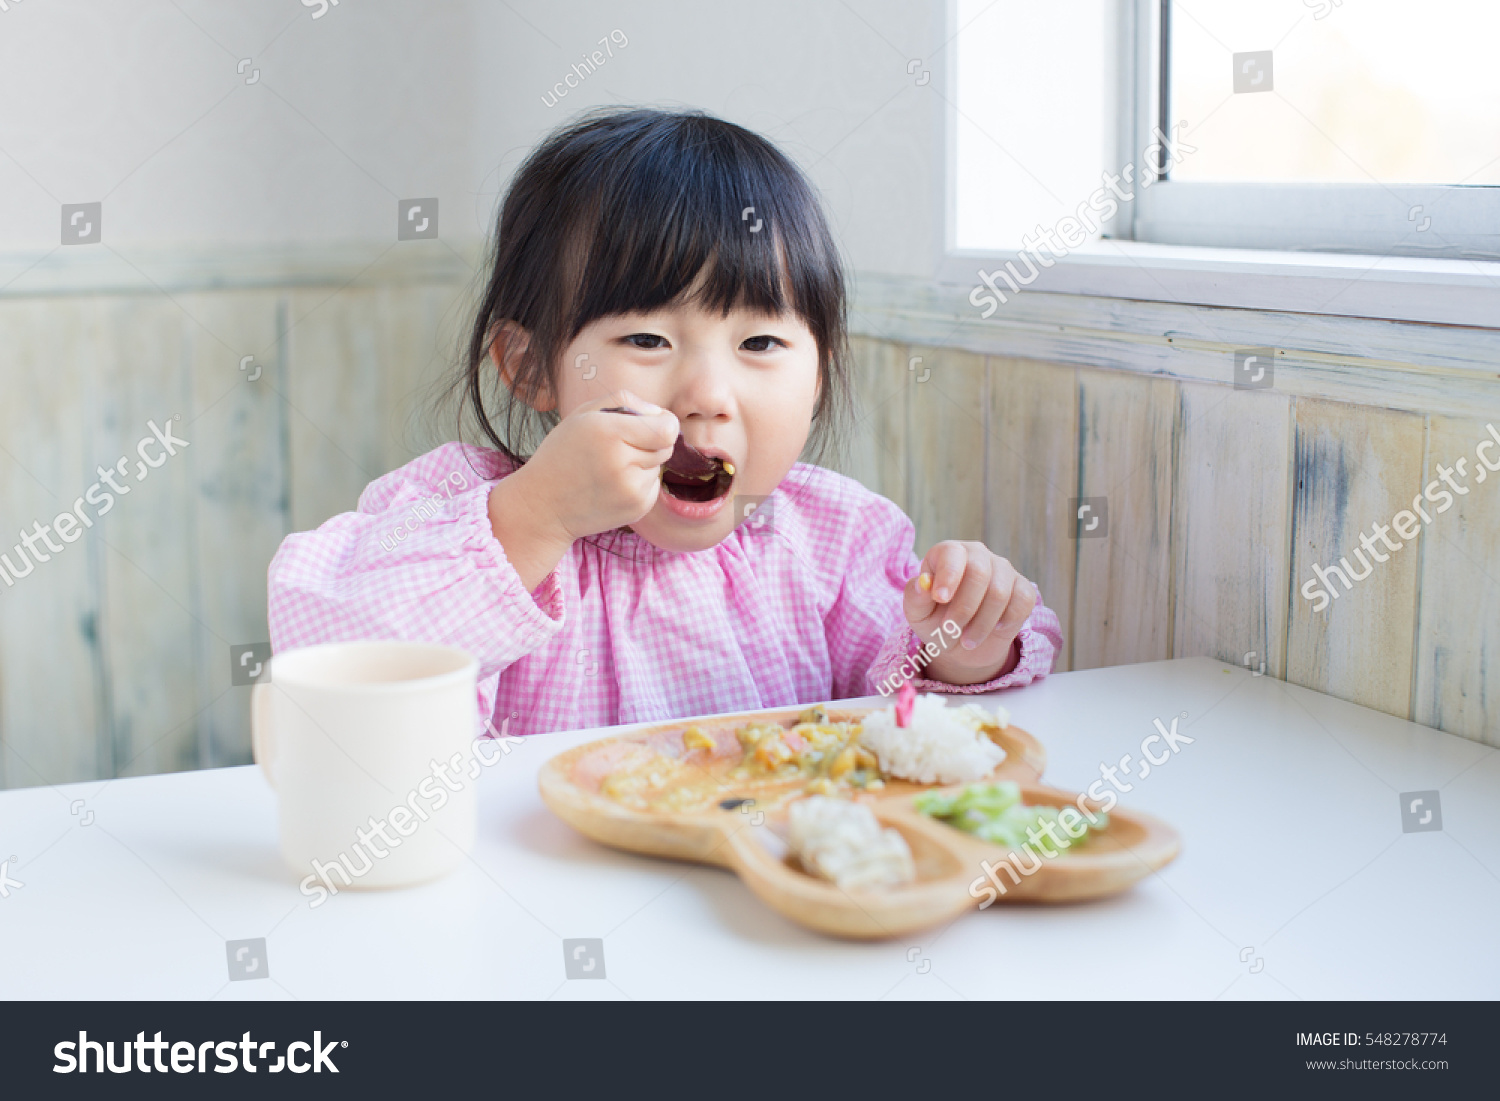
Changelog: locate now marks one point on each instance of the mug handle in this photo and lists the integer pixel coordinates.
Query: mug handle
(262, 743)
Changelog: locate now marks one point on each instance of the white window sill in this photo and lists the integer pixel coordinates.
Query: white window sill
(1396, 288)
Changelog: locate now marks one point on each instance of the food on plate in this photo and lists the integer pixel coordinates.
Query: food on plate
(694, 738)
(906, 698)
(844, 842)
(938, 744)
(704, 763)
(826, 753)
(995, 813)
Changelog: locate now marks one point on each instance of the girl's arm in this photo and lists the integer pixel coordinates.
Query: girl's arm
(418, 560)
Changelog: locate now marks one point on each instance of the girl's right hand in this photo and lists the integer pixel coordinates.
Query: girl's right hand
(597, 471)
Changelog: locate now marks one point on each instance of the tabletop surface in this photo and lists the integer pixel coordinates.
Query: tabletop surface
(1303, 875)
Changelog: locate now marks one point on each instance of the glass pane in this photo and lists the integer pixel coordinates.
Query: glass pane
(1338, 91)
(1030, 132)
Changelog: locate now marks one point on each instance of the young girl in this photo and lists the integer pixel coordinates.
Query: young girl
(657, 274)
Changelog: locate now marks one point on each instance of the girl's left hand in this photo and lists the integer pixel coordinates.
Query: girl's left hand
(975, 591)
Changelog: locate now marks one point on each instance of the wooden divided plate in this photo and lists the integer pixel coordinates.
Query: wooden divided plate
(740, 824)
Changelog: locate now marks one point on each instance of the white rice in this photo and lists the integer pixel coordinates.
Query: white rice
(943, 745)
(844, 842)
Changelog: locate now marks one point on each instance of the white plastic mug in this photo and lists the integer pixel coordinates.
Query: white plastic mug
(359, 741)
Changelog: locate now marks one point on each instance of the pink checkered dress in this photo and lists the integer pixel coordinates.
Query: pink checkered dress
(800, 604)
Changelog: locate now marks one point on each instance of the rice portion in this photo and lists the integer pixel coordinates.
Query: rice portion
(844, 842)
(943, 745)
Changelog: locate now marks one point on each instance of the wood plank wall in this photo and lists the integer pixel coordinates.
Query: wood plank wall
(114, 654)
(1220, 502)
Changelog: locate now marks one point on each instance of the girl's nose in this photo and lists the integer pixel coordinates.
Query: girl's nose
(703, 390)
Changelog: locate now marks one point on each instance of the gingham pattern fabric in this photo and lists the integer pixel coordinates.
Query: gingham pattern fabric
(796, 608)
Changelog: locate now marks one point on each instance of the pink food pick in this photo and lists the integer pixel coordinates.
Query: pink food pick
(906, 696)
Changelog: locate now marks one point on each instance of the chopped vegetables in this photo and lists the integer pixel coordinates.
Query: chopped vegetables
(995, 813)
(694, 738)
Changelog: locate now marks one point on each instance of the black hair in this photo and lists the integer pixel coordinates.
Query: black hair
(621, 211)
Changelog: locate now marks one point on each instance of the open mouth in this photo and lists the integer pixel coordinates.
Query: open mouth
(690, 475)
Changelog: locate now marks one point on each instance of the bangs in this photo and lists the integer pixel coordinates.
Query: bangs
(697, 216)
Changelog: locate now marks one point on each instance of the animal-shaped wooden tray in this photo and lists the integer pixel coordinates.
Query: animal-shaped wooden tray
(743, 825)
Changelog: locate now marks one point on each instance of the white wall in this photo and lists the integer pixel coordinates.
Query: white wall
(140, 105)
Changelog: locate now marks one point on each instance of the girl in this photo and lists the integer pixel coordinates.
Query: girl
(657, 274)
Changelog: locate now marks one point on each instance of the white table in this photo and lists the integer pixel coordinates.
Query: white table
(1296, 880)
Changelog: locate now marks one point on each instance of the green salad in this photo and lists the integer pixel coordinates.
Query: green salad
(995, 813)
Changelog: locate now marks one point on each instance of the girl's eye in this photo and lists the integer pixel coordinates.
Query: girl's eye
(762, 343)
(646, 340)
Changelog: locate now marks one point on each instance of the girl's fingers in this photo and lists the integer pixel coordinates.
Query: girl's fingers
(652, 444)
(970, 588)
(936, 580)
(652, 435)
(1021, 604)
(992, 609)
(944, 566)
(916, 600)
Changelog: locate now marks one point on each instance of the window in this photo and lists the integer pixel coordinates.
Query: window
(1312, 125)
(1329, 125)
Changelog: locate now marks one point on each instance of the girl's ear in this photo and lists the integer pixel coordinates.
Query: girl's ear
(508, 351)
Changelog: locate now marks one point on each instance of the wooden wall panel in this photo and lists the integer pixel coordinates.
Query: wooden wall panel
(1231, 526)
(336, 372)
(1458, 634)
(1122, 605)
(1354, 466)
(123, 638)
(1031, 463)
(947, 404)
(423, 327)
(239, 498)
(148, 639)
(874, 447)
(53, 723)
(361, 363)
